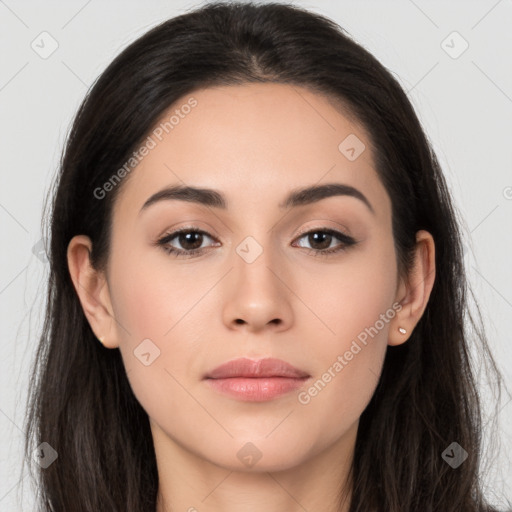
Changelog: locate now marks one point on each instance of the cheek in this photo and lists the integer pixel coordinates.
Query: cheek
(357, 307)
(349, 298)
(153, 302)
(157, 339)
(158, 313)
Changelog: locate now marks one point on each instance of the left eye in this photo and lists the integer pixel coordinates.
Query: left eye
(323, 238)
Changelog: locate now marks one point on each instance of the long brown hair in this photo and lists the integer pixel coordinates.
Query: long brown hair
(80, 400)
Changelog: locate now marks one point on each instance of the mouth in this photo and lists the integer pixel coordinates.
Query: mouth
(256, 381)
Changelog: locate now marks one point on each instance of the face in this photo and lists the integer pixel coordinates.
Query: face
(312, 282)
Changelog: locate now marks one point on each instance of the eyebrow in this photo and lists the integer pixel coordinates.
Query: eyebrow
(215, 199)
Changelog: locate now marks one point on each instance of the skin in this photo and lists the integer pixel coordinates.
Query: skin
(254, 143)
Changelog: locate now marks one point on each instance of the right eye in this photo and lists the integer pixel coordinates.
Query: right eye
(186, 237)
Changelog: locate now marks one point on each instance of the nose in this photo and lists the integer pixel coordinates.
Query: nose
(258, 295)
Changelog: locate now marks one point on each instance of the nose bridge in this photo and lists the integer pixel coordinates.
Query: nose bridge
(257, 247)
(257, 296)
(256, 264)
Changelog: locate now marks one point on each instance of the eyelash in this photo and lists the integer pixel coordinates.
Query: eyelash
(346, 240)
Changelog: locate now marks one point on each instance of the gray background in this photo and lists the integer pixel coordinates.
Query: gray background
(464, 102)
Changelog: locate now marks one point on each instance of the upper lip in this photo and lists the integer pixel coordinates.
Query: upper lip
(244, 367)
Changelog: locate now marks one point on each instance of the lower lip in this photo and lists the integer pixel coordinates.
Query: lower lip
(256, 389)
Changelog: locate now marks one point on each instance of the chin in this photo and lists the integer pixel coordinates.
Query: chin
(260, 455)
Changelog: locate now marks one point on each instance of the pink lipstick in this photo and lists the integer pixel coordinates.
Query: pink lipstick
(256, 381)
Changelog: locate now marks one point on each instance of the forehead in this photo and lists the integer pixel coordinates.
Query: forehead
(255, 142)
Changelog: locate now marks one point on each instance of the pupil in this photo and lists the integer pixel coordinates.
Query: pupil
(316, 236)
(188, 238)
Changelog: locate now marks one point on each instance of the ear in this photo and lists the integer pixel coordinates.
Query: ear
(413, 294)
(92, 289)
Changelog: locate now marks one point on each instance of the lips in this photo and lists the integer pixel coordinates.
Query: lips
(248, 368)
(256, 381)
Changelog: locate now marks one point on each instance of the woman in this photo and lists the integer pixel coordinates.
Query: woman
(244, 372)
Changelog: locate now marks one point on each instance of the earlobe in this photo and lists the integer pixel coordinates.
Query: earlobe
(415, 294)
(92, 289)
